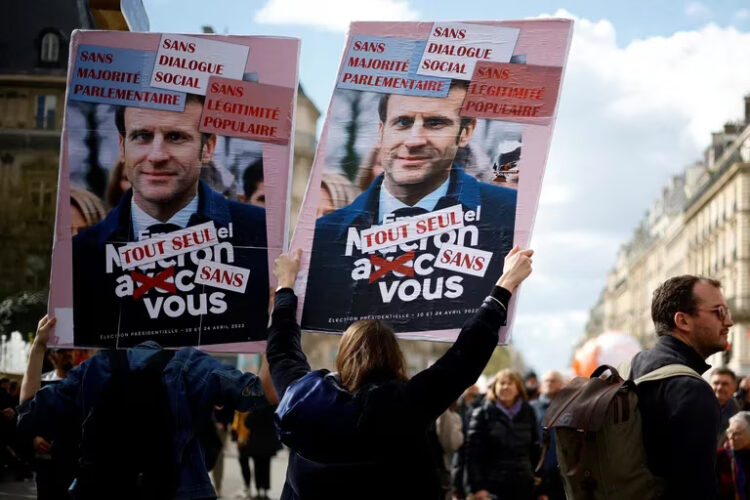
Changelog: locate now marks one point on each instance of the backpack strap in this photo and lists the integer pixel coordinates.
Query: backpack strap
(624, 369)
(664, 372)
(668, 371)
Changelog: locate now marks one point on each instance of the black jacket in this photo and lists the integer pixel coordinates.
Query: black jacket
(263, 441)
(501, 453)
(680, 421)
(387, 454)
(458, 464)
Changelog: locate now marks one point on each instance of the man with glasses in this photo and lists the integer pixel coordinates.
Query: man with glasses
(681, 413)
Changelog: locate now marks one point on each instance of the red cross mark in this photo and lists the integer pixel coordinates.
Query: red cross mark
(147, 282)
(397, 265)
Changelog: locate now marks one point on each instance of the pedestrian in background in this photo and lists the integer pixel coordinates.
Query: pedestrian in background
(724, 383)
(222, 419)
(733, 460)
(450, 434)
(240, 434)
(551, 487)
(531, 385)
(743, 394)
(262, 444)
(503, 442)
(470, 399)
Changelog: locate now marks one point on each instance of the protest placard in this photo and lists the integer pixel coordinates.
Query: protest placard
(428, 171)
(155, 237)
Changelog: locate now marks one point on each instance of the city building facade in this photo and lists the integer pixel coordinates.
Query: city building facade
(33, 66)
(699, 225)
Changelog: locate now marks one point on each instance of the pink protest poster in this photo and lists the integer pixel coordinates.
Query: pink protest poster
(428, 171)
(173, 186)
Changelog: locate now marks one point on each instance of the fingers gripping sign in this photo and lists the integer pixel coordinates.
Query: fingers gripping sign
(517, 268)
(43, 329)
(285, 268)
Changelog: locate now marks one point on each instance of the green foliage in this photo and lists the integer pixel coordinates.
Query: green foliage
(500, 360)
(22, 312)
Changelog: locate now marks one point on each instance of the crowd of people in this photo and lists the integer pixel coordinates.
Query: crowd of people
(366, 430)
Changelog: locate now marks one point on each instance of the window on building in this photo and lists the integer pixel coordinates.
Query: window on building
(50, 48)
(46, 112)
(42, 197)
(35, 271)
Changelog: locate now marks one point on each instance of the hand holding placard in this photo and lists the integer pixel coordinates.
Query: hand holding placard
(516, 269)
(285, 268)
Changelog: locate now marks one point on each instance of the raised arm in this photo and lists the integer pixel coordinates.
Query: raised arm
(432, 390)
(32, 379)
(286, 360)
(265, 379)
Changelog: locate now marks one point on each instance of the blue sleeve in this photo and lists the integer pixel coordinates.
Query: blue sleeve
(210, 382)
(54, 404)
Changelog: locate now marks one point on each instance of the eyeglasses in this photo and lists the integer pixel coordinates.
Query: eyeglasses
(722, 312)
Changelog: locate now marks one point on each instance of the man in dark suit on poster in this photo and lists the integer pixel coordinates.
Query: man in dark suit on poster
(163, 153)
(418, 138)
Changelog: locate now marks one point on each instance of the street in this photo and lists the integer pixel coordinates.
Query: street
(233, 476)
(23, 490)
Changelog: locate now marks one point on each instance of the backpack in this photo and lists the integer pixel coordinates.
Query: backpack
(315, 408)
(317, 419)
(599, 438)
(127, 449)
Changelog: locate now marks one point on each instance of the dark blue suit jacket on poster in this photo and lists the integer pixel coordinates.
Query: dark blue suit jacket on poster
(193, 314)
(430, 300)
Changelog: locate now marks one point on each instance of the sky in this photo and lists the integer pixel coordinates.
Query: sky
(647, 81)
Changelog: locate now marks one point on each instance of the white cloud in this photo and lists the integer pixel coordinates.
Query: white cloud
(555, 195)
(543, 338)
(630, 117)
(697, 9)
(334, 15)
(742, 15)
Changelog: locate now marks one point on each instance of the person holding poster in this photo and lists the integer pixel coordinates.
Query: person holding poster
(362, 432)
(164, 127)
(404, 214)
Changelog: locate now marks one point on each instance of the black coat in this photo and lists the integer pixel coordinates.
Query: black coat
(680, 421)
(263, 441)
(501, 453)
(387, 454)
(458, 463)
